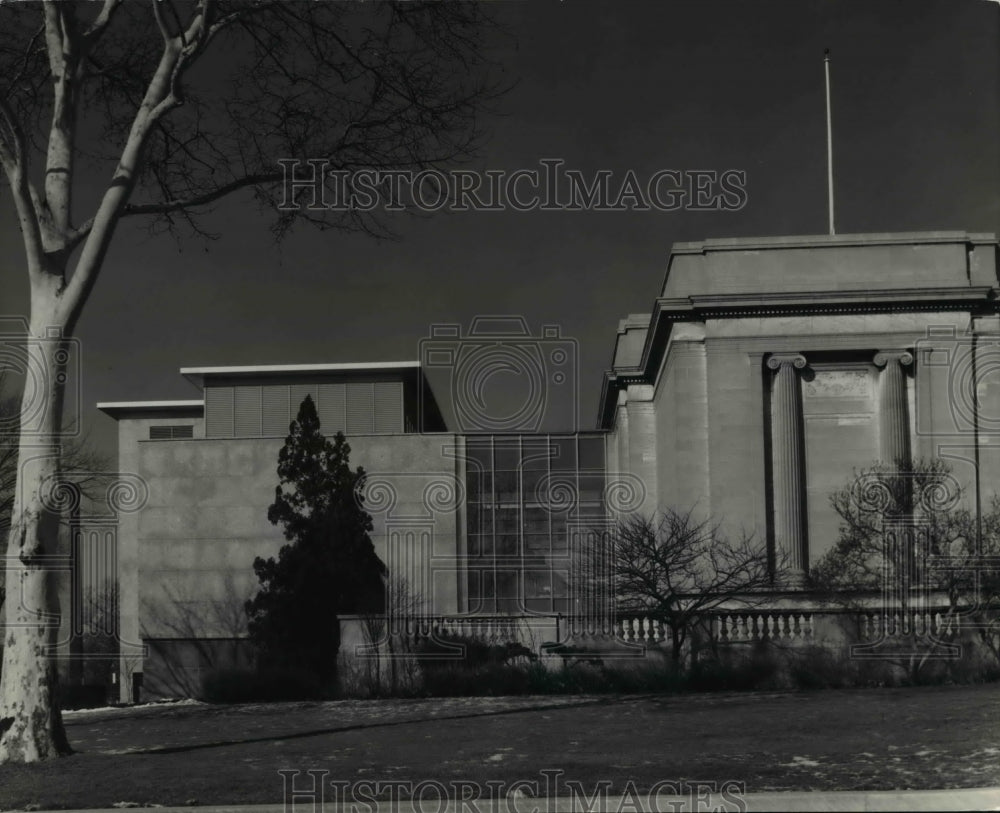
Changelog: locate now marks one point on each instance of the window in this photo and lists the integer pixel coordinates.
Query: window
(171, 432)
(526, 497)
(267, 410)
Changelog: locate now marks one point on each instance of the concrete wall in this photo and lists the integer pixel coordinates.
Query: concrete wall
(194, 543)
(132, 431)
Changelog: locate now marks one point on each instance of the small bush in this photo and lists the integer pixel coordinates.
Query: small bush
(260, 686)
(475, 652)
(87, 696)
(818, 667)
(758, 670)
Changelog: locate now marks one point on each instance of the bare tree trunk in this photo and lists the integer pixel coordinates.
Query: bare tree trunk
(31, 727)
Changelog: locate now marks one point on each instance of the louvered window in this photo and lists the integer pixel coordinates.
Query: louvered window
(332, 408)
(274, 405)
(219, 419)
(360, 409)
(170, 432)
(388, 406)
(248, 412)
(354, 407)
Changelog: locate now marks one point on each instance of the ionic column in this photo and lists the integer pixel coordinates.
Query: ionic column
(788, 464)
(894, 417)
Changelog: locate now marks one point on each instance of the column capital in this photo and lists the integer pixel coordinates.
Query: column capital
(883, 357)
(776, 360)
(640, 393)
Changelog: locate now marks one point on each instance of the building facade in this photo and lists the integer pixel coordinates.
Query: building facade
(767, 372)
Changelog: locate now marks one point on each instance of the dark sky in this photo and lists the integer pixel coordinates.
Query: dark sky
(711, 84)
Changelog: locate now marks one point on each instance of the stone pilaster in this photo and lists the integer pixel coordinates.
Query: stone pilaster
(622, 427)
(789, 484)
(894, 416)
(642, 443)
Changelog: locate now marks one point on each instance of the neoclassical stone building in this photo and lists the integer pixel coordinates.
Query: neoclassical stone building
(770, 369)
(766, 373)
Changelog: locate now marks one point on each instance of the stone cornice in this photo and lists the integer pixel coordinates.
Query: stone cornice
(818, 302)
(826, 241)
(979, 299)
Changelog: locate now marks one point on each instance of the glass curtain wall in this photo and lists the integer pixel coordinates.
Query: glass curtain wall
(526, 493)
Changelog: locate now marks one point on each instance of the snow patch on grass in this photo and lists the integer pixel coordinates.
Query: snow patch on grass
(801, 762)
(160, 704)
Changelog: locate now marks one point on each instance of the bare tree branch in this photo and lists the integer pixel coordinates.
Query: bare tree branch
(677, 569)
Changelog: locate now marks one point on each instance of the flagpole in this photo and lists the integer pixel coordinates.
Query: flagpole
(829, 141)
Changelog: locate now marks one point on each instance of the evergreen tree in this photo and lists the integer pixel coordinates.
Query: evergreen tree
(329, 566)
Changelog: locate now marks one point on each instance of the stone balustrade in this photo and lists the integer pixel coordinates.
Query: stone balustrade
(878, 625)
(788, 625)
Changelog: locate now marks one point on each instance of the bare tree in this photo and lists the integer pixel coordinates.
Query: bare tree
(677, 569)
(99, 647)
(388, 636)
(190, 635)
(179, 104)
(910, 545)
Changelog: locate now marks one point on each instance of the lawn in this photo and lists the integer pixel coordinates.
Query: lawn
(871, 739)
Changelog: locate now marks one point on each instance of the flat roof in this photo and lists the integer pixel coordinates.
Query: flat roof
(113, 407)
(291, 369)
(832, 240)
